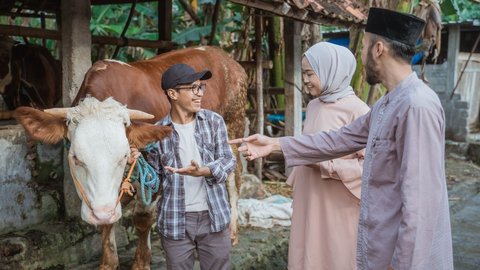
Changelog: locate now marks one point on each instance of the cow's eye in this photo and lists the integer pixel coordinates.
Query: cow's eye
(123, 159)
(77, 161)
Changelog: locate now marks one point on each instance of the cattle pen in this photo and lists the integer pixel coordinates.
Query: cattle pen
(40, 211)
(40, 222)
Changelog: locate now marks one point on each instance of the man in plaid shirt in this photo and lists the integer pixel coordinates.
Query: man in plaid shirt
(193, 163)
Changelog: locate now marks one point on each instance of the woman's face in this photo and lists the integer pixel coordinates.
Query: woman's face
(310, 79)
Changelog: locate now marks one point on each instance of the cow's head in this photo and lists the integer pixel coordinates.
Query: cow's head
(100, 135)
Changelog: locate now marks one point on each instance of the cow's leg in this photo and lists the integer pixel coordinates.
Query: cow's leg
(109, 258)
(236, 129)
(233, 198)
(233, 187)
(143, 219)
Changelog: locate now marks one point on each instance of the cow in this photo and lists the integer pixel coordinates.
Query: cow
(29, 75)
(136, 85)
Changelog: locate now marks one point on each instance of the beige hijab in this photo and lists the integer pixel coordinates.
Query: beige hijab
(334, 65)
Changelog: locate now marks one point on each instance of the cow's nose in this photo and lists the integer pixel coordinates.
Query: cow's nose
(103, 214)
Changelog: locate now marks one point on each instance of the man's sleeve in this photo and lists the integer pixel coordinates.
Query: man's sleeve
(225, 161)
(345, 169)
(420, 147)
(313, 148)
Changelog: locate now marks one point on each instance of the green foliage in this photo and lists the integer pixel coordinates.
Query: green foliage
(187, 33)
(110, 20)
(194, 34)
(466, 10)
(469, 10)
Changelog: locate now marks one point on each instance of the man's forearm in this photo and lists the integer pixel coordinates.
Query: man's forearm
(276, 147)
(205, 172)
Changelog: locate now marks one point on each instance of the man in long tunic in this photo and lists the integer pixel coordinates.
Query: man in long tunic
(404, 215)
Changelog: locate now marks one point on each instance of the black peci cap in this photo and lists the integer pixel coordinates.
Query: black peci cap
(401, 27)
(179, 74)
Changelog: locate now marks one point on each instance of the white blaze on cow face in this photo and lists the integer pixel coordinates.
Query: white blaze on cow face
(99, 151)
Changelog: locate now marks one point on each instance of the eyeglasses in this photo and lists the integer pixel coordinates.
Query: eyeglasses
(196, 88)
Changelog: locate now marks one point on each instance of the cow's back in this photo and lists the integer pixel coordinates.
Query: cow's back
(138, 84)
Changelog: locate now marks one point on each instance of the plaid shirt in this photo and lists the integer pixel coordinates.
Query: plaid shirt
(211, 136)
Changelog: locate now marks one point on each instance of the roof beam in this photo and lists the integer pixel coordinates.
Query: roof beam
(285, 10)
(21, 31)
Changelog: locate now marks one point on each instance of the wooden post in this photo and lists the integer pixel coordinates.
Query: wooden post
(293, 78)
(259, 85)
(452, 56)
(76, 60)
(164, 22)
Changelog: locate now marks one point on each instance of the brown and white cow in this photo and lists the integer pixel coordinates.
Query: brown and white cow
(136, 85)
(29, 75)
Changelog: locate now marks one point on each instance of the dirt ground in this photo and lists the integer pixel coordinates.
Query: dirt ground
(463, 180)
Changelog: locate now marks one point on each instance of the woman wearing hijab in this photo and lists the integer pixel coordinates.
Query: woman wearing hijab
(326, 195)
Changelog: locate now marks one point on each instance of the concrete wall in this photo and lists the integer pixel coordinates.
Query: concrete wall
(30, 181)
(469, 86)
(456, 109)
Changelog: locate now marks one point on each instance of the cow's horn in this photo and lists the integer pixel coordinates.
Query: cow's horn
(62, 112)
(138, 115)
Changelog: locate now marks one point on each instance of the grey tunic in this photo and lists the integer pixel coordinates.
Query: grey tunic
(404, 216)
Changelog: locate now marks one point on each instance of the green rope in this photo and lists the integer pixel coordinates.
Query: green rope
(144, 173)
(148, 178)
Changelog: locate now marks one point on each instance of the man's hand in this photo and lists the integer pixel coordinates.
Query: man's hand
(134, 154)
(193, 170)
(257, 146)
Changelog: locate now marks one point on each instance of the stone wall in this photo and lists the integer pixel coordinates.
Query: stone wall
(456, 109)
(30, 181)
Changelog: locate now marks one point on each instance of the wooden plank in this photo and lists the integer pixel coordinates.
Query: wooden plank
(110, 2)
(293, 78)
(259, 85)
(165, 23)
(27, 15)
(452, 55)
(277, 175)
(22, 31)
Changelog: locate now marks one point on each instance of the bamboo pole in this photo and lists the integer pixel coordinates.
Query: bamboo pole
(259, 86)
(216, 10)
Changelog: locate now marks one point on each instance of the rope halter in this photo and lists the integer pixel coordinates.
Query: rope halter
(125, 187)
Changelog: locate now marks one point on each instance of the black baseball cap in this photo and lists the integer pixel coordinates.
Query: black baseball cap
(401, 27)
(179, 74)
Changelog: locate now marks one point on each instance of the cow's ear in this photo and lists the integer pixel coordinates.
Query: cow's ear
(140, 134)
(40, 125)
